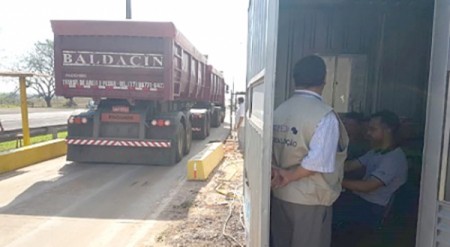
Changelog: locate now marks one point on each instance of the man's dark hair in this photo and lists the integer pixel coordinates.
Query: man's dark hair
(357, 116)
(309, 71)
(389, 119)
(240, 100)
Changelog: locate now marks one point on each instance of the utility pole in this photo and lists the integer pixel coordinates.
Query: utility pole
(128, 16)
(231, 110)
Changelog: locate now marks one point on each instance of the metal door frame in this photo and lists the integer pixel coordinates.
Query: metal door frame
(434, 129)
(260, 191)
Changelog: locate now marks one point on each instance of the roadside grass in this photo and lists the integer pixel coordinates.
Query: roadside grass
(8, 106)
(10, 145)
(34, 102)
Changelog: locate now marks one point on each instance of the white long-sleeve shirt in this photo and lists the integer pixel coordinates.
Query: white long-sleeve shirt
(324, 142)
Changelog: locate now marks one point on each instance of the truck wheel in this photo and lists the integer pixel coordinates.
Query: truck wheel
(208, 127)
(187, 141)
(218, 119)
(222, 117)
(215, 122)
(204, 128)
(178, 145)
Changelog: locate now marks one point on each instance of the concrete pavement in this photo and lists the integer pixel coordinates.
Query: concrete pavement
(57, 203)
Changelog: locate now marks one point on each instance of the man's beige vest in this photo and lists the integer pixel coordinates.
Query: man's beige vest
(295, 122)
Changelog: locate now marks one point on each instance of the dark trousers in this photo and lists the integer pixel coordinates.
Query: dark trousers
(299, 225)
(353, 217)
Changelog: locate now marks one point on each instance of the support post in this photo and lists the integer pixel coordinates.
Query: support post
(128, 9)
(24, 110)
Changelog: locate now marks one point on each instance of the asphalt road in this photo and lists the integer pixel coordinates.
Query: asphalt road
(59, 203)
(11, 118)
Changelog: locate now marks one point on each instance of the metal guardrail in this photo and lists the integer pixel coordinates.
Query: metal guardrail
(12, 135)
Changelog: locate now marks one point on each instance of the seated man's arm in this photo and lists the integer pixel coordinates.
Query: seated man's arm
(383, 175)
(352, 165)
(364, 186)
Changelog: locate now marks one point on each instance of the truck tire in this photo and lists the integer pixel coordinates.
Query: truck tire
(208, 126)
(177, 145)
(222, 117)
(215, 121)
(205, 132)
(187, 141)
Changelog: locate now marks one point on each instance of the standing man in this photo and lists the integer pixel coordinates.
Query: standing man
(309, 150)
(240, 115)
(1, 127)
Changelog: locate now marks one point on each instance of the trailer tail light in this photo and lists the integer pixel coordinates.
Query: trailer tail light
(160, 123)
(77, 120)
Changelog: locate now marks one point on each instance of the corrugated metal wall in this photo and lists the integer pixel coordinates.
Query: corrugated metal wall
(396, 40)
(405, 62)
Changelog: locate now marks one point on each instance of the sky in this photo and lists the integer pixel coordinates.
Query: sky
(218, 28)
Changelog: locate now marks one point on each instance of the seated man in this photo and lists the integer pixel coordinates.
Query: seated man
(386, 169)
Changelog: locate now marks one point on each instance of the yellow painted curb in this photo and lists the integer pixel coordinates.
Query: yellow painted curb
(200, 166)
(32, 154)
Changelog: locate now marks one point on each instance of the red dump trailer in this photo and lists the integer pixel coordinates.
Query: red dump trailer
(153, 90)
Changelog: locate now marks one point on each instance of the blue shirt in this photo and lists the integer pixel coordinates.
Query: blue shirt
(391, 168)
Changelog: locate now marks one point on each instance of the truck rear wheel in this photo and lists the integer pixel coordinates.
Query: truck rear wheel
(177, 145)
(222, 117)
(204, 130)
(215, 121)
(187, 141)
(208, 127)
